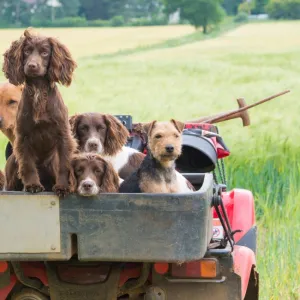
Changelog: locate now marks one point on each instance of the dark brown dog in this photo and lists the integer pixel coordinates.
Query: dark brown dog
(44, 142)
(10, 96)
(106, 135)
(2, 180)
(92, 175)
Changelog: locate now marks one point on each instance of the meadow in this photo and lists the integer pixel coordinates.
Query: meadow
(202, 78)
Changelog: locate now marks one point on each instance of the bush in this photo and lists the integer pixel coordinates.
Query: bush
(117, 21)
(63, 22)
(284, 9)
(241, 17)
(99, 23)
(246, 7)
(154, 21)
(70, 22)
(5, 24)
(36, 22)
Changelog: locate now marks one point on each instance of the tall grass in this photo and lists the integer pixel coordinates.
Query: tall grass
(206, 77)
(275, 183)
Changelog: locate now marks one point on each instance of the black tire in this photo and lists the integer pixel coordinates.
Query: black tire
(29, 294)
(253, 286)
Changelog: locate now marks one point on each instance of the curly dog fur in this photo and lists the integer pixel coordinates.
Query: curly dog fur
(44, 143)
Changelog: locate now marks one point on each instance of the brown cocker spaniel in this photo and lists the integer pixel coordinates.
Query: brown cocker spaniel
(44, 143)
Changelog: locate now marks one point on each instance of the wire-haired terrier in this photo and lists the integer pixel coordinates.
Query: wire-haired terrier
(157, 172)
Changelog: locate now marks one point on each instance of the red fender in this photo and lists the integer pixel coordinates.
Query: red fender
(243, 262)
(239, 205)
(35, 270)
(30, 269)
(4, 292)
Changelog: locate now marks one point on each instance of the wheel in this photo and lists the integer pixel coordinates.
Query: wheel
(155, 293)
(29, 294)
(253, 286)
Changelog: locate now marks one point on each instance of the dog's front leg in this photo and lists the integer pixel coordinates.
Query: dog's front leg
(27, 167)
(62, 187)
(12, 181)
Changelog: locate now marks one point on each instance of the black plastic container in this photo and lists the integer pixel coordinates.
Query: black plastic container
(198, 154)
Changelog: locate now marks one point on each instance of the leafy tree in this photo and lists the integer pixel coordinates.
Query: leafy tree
(16, 12)
(246, 7)
(284, 9)
(142, 8)
(259, 6)
(231, 6)
(101, 9)
(199, 13)
(69, 8)
(95, 9)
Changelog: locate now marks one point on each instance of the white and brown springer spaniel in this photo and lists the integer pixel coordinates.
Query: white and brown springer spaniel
(106, 135)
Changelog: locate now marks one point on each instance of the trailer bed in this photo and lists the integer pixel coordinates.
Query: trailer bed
(109, 227)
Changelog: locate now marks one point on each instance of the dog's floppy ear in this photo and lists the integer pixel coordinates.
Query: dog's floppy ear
(74, 121)
(148, 127)
(13, 67)
(72, 177)
(178, 125)
(116, 135)
(62, 65)
(110, 180)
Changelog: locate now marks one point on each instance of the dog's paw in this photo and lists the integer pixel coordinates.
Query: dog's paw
(61, 191)
(34, 188)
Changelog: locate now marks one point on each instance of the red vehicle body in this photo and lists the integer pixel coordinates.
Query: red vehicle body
(186, 276)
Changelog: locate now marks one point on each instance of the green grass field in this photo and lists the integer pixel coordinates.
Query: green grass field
(201, 78)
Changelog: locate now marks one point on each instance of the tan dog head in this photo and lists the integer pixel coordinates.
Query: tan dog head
(10, 96)
(164, 140)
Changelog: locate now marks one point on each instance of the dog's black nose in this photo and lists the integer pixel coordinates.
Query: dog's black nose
(32, 66)
(169, 148)
(93, 146)
(87, 185)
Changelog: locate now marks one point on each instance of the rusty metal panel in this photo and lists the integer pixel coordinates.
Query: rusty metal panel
(29, 224)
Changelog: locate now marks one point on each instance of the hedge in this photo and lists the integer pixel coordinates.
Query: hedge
(116, 21)
(284, 9)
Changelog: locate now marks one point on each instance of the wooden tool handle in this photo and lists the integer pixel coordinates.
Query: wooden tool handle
(222, 116)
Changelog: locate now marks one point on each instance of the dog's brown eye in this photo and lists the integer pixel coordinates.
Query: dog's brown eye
(176, 135)
(100, 128)
(44, 53)
(79, 171)
(158, 136)
(26, 52)
(11, 102)
(97, 171)
(84, 128)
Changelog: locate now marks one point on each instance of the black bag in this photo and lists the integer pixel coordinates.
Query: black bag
(199, 154)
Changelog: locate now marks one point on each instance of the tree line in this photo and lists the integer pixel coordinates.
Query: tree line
(23, 11)
(200, 13)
